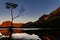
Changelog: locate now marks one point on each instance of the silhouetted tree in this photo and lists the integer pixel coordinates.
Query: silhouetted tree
(11, 6)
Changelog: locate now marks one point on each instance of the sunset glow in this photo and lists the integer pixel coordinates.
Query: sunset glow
(33, 9)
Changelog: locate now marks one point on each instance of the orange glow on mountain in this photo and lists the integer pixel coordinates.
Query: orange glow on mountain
(45, 18)
(8, 23)
(55, 12)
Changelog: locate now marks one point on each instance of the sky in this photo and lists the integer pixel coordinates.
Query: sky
(34, 9)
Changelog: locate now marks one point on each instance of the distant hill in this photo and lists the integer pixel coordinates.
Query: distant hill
(8, 24)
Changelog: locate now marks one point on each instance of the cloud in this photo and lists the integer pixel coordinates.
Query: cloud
(25, 36)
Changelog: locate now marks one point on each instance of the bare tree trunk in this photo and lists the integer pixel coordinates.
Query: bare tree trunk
(10, 29)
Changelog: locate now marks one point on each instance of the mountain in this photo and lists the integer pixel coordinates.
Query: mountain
(42, 18)
(8, 24)
(55, 12)
(53, 15)
(51, 21)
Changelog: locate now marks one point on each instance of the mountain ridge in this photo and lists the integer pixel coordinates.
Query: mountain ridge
(47, 20)
(8, 24)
